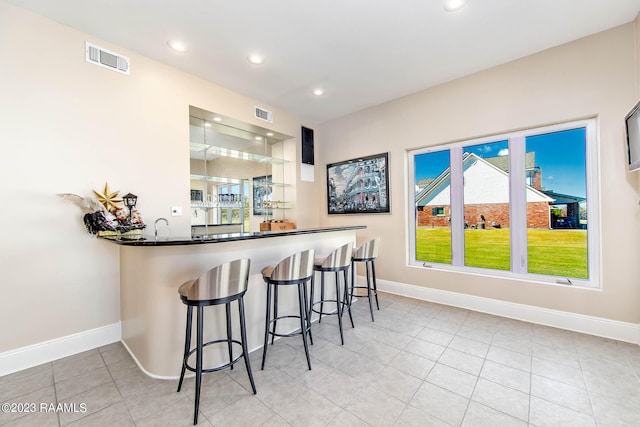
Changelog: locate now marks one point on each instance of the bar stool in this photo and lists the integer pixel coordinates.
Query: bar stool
(220, 285)
(296, 269)
(366, 253)
(337, 261)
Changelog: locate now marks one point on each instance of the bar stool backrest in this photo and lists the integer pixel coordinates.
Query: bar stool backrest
(295, 267)
(339, 258)
(223, 281)
(369, 250)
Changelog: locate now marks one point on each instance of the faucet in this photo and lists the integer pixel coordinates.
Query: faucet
(155, 225)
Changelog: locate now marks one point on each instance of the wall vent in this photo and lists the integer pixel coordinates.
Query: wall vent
(263, 114)
(106, 58)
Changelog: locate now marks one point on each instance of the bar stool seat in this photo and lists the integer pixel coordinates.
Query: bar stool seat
(296, 269)
(337, 261)
(220, 285)
(366, 253)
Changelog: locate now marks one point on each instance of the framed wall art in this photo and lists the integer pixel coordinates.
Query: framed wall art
(359, 185)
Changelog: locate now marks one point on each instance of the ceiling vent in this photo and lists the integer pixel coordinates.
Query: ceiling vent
(263, 114)
(106, 58)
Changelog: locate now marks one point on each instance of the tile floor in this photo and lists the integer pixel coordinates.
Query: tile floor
(419, 364)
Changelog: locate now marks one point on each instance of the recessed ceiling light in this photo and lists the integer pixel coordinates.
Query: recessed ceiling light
(255, 58)
(217, 119)
(452, 5)
(177, 45)
(318, 91)
(269, 133)
(207, 124)
(258, 138)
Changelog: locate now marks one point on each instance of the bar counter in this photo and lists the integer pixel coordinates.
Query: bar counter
(153, 317)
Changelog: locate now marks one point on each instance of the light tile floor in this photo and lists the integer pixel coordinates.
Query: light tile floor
(419, 364)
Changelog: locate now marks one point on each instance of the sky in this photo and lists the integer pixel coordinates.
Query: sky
(560, 155)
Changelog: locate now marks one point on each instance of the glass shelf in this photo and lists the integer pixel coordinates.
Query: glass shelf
(272, 184)
(216, 205)
(216, 179)
(197, 147)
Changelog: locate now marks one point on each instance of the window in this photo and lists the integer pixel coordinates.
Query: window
(234, 204)
(522, 204)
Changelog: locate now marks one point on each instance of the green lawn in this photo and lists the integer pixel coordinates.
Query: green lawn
(552, 252)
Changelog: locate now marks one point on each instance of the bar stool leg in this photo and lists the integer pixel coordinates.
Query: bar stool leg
(199, 344)
(321, 295)
(308, 316)
(375, 286)
(345, 297)
(312, 294)
(266, 326)
(353, 281)
(245, 350)
(338, 306)
(187, 346)
(275, 312)
(366, 264)
(303, 321)
(227, 308)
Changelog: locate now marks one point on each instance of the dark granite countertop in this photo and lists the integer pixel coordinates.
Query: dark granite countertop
(221, 238)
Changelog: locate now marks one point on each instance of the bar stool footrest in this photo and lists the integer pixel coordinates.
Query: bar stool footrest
(217, 368)
(373, 292)
(327, 313)
(290, 334)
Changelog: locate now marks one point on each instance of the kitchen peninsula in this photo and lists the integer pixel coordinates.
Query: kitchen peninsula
(152, 315)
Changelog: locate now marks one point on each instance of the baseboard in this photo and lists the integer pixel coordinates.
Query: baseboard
(606, 328)
(149, 374)
(47, 351)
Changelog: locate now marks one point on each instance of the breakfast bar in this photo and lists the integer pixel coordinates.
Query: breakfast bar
(152, 315)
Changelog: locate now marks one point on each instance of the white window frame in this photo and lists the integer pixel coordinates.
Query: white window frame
(517, 203)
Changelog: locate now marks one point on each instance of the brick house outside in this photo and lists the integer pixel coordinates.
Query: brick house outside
(486, 196)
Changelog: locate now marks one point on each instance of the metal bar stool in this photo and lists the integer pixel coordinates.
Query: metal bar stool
(337, 261)
(297, 269)
(221, 285)
(366, 253)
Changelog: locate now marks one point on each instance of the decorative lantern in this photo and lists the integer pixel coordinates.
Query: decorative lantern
(130, 201)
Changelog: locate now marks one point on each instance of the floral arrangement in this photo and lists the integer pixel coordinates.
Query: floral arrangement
(105, 215)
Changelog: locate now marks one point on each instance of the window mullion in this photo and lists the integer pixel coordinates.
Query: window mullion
(457, 207)
(518, 204)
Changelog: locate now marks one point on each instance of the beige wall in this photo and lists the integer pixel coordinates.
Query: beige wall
(68, 126)
(591, 77)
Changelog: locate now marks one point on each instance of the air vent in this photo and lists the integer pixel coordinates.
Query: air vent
(106, 58)
(263, 114)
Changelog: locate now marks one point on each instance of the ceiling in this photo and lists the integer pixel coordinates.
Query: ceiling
(361, 52)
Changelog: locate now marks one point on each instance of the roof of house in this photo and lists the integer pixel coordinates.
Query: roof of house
(479, 172)
(563, 199)
(503, 161)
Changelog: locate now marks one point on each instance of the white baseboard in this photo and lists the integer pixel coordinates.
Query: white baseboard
(613, 329)
(47, 351)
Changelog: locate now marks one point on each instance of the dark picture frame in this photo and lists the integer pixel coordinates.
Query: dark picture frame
(358, 185)
(262, 189)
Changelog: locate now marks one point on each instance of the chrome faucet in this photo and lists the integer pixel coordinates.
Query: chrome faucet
(155, 225)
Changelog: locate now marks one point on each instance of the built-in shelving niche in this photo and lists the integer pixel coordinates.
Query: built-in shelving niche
(241, 174)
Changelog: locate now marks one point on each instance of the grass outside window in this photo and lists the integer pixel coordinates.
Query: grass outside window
(551, 252)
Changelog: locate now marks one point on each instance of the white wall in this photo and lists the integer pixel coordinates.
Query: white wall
(69, 126)
(591, 77)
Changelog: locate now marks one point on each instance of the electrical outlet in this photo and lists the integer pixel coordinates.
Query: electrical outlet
(176, 210)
